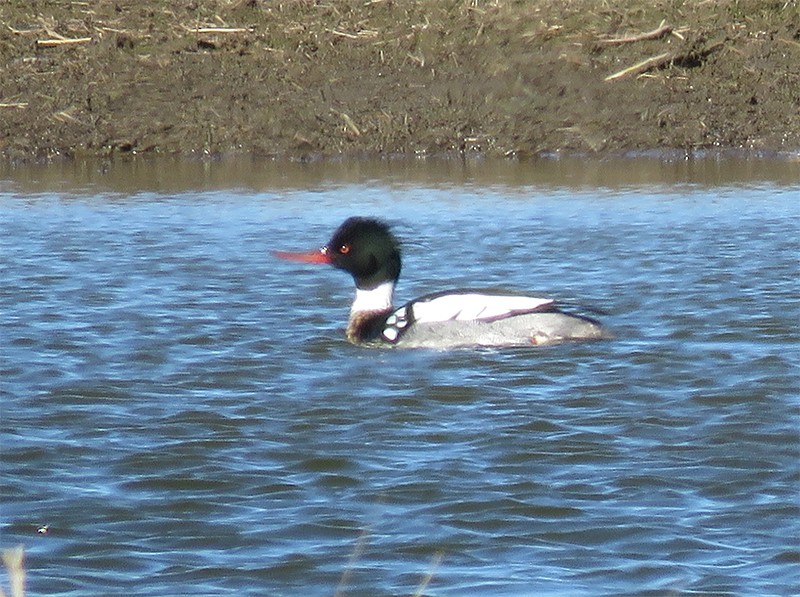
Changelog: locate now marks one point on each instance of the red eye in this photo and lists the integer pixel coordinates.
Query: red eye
(344, 249)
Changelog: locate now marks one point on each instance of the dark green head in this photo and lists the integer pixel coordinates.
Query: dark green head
(367, 249)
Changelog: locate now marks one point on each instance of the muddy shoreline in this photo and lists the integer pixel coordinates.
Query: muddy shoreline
(308, 79)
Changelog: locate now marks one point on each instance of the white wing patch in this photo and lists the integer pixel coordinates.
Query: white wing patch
(474, 307)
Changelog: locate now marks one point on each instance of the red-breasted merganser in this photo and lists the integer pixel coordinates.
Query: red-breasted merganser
(367, 249)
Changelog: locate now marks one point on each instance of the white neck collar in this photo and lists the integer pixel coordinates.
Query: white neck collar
(375, 299)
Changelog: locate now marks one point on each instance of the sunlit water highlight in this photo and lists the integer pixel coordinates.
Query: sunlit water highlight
(182, 412)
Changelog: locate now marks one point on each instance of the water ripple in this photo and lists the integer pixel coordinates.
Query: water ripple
(181, 413)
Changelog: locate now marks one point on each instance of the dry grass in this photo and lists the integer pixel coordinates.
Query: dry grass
(303, 78)
(14, 560)
(14, 563)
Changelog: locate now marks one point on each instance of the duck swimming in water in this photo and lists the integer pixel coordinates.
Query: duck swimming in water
(367, 249)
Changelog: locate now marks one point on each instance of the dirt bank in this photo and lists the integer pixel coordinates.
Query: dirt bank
(304, 78)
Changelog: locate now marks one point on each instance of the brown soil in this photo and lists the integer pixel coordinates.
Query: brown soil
(354, 77)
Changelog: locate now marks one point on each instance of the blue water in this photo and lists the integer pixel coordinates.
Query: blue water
(181, 413)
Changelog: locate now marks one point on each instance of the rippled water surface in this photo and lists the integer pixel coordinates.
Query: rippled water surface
(181, 412)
